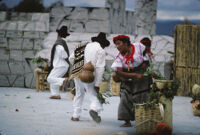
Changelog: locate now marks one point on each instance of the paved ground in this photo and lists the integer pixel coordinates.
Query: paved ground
(26, 112)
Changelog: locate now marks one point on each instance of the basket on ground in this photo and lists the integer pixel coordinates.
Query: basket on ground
(146, 117)
(161, 84)
(196, 111)
(114, 87)
(103, 87)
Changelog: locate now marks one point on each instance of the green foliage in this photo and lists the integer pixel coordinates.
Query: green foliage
(150, 71)
(102, 97)
(168, 92)
(196, 96)
(30, 6)
(154, 95)
(37, 60)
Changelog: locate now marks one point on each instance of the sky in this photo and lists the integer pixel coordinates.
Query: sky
(166, 9)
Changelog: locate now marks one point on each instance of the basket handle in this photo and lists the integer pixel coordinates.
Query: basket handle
(146, 121)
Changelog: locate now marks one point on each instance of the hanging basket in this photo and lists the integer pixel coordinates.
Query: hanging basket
(146, 117)
(103, 87)
(114, 87)
(196, 111)
(161, 84)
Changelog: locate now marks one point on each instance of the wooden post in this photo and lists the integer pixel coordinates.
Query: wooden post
(187, 57)
(37, 81)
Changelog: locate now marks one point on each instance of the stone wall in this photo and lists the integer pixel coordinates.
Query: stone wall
(80, 19)
(21, 36)
(145, 14)
(25, 35)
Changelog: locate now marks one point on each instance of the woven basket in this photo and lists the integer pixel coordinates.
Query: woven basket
(114, 87)
(103, 87)
(160, 84)
(196, 111)
(146, 118)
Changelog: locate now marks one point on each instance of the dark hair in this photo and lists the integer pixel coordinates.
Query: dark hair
(63, 31)
(146, 41)
(125, 41)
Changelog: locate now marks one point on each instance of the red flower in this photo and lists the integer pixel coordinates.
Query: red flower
(162, 129)
(197, 106)
(192, 101)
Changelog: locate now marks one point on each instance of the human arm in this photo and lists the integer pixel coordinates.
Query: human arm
(71, 58)
(128, 75)
(100, 65)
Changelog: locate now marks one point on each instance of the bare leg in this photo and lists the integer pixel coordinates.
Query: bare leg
(126, 124)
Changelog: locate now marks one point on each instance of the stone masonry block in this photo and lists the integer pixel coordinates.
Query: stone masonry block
(43, 34)
(96, 26)
(28, 79)
(11, 25)
(60, 12)
(28, 54)
(3, 25)
(15, 43)
(4, 68)
(79, 14)
(29, 34)
(3, 42)
(21, 25)
(99, 14)
(4, 81)
(27, 44)
(16, 67)
(19, 82)
(30, 26)
(38, 44)
(2, 16)
(16, 55)
(40, 17)
(14, 34)
(2, 33)
(76, 27)
(4, 54)
(12, 79)
(41, 26)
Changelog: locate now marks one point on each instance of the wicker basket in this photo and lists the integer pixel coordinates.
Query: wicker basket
(103, 87)
(146, 118)
(114, 87)
(196, 111)
(160, 84)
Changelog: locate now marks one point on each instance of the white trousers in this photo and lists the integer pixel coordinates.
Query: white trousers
(55, 79)
(80, 93)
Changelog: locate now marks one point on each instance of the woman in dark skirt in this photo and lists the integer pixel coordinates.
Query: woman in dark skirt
(129, 67)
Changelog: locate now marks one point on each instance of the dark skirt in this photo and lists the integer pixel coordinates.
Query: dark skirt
(131, 92)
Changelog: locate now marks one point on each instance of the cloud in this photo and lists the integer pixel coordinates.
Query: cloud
(177, 15)
(90, 3)
(179, 5)
(178, 9)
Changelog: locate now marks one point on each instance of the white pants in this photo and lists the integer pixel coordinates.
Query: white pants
(55, 79)
(80, 93)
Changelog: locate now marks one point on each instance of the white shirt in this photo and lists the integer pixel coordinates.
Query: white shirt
(138, 58)
(96, 54)
(59, 57)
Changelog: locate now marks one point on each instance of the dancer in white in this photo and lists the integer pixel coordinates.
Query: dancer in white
(92, 52)
(59, 63)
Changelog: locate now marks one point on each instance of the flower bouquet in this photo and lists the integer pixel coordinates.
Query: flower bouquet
(102, 97)
(196, 104)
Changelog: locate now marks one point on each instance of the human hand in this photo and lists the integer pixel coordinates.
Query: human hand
(96, 89)
(139, 76)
